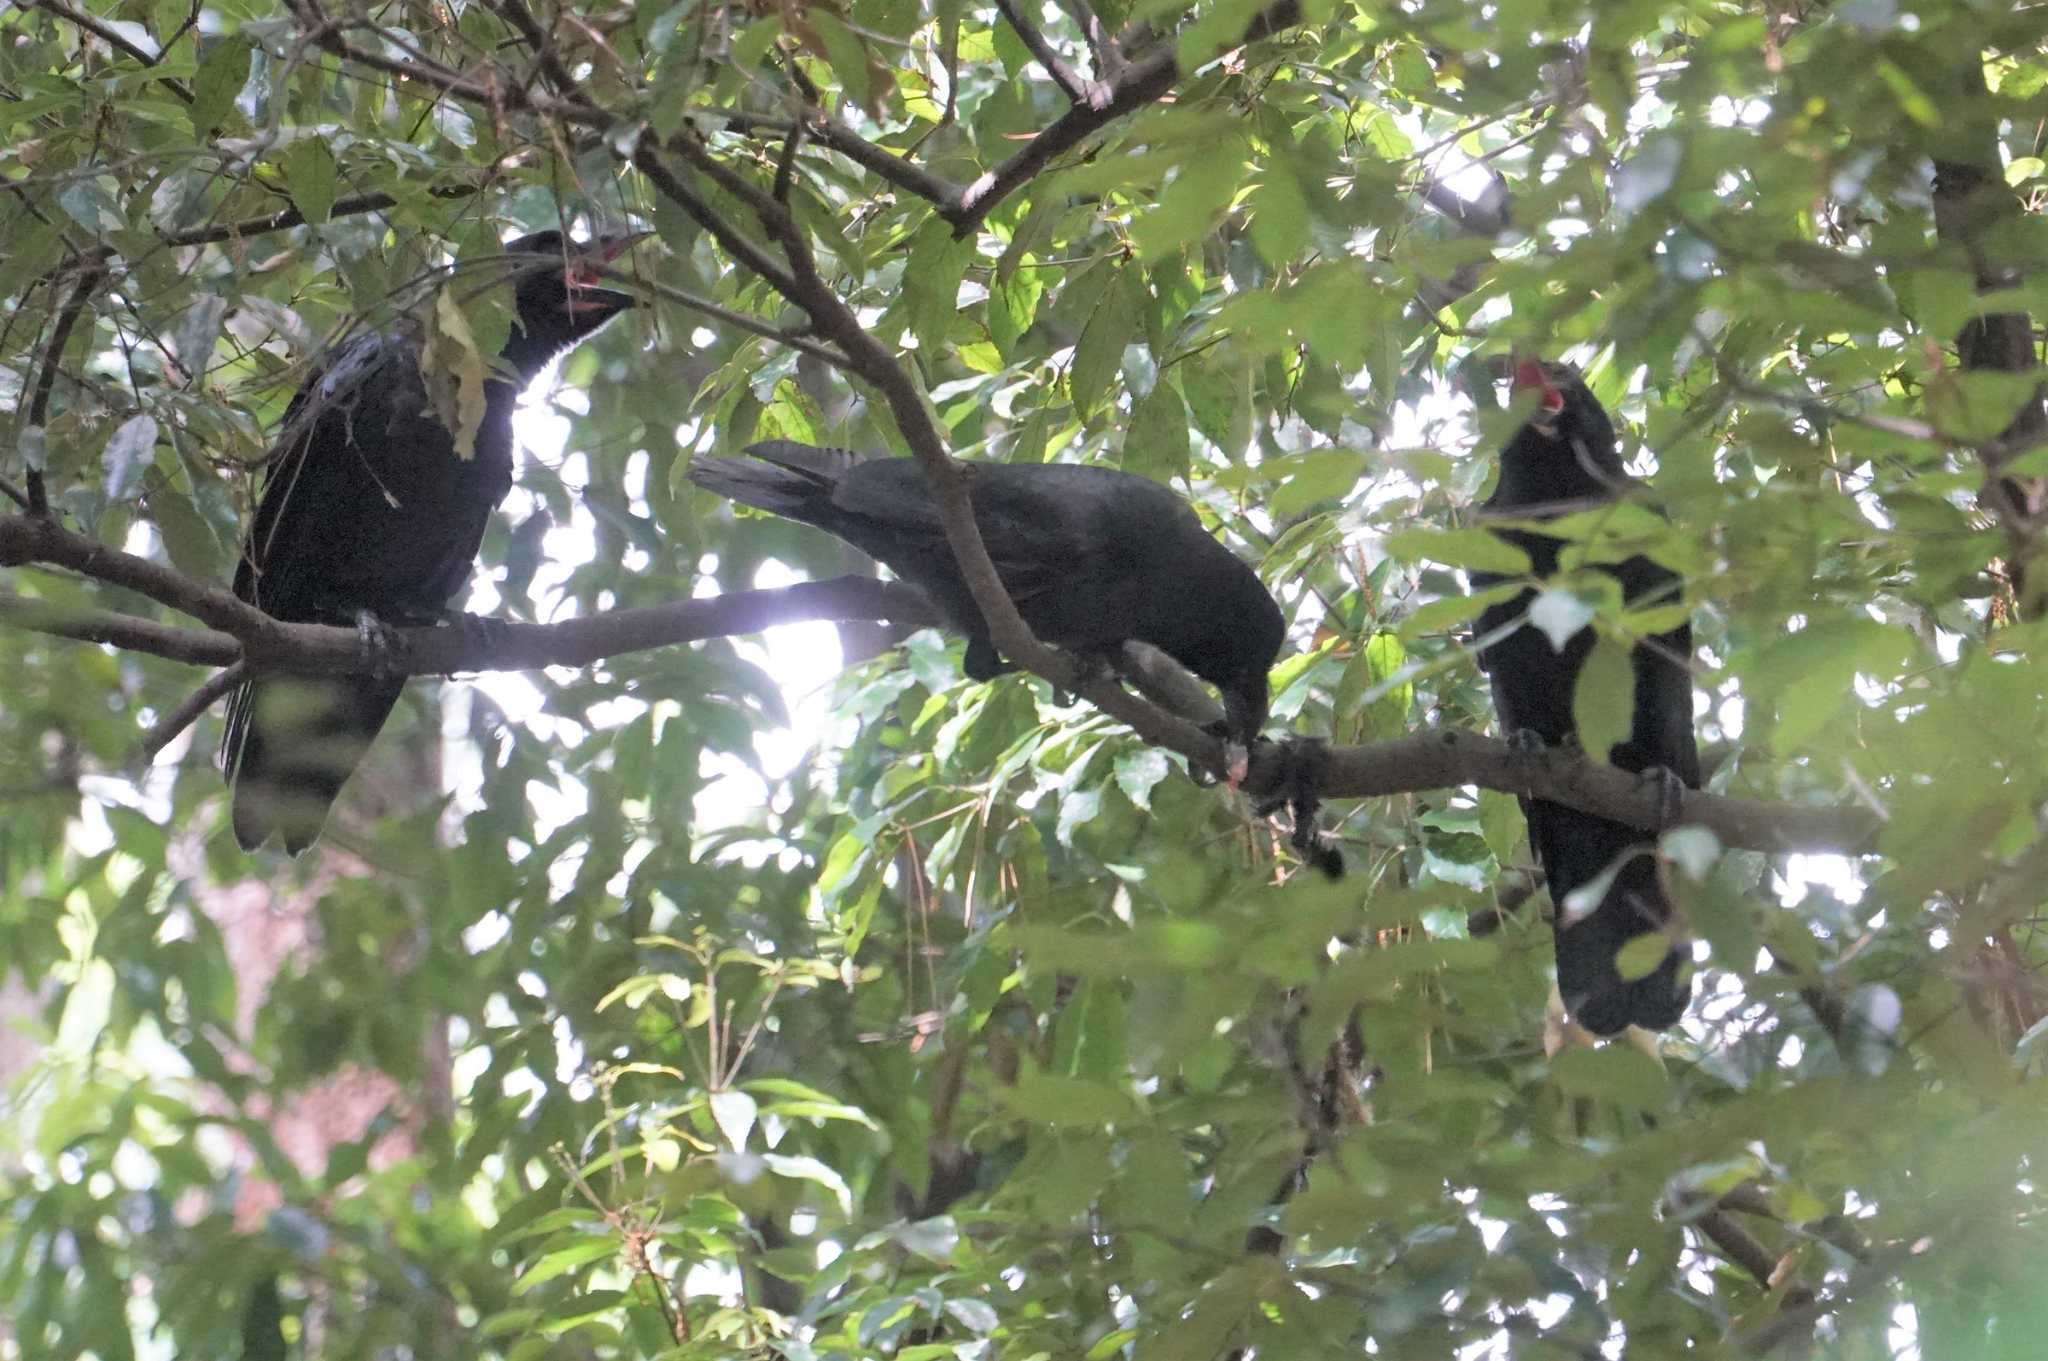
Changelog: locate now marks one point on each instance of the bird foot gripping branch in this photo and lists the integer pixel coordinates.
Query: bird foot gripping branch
(1297, 787)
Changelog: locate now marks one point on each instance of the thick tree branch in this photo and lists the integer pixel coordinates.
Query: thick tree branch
(1447, 759)
(1423, 761)
(32, 539)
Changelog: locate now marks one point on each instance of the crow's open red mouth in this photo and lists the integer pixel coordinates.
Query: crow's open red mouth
(584, 272)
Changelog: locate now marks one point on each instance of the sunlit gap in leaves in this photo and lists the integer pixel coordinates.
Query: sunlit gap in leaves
(802, 659)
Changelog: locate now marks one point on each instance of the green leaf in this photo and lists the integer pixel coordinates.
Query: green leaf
(812, 1170)
(1218, 385)
(1614, 1072)
(1101, 347)
(310, 170)
(848, 55)
(1642, 955)
(1077, 808)
(222, 73)
(129, 451)
(1279, 216)
(1138, 770)
(1603, 702)
(1451, 611)
(1012, 306)
(1068, 1102)
(1156, 445)
(93, 202)
(196, 331)
(1202, 188)
(1477, 550)
(791, 1100)
(1979, 405)
(189, 540)
(931, 283)
(564, 1260)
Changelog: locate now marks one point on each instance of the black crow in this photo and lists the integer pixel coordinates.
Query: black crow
(368, 513)
(1564, 458)
(1092, 556)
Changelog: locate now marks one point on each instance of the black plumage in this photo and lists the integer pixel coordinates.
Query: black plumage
(1565, 458)
(1092, 557)
(368, 513)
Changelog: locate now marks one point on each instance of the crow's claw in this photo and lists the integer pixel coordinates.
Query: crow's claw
(378, 641)
(1528, 741)
(1670, 795)
(1299, 790)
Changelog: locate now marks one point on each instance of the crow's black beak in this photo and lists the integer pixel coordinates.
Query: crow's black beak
(584, 293)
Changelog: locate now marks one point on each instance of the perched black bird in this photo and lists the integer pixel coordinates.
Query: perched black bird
(1565, 458)
(1093, 557)
(368, 513)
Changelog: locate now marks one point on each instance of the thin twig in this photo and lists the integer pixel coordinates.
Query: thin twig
(188, 713)
(1102, 48)
(114, 39)
(53, 357)
(521, 18)
(737, 320)
(1142, 82)
(1070, 82)
(785, 164)
(737, 245)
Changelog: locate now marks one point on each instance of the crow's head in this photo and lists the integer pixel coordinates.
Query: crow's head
(557, 296)
(1568, 429)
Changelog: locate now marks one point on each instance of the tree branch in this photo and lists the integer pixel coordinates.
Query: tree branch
(1137, 85)
(737, 320)
(113, 38)
(1071, 84)
(186, 714)
(35, 539)
(1971, 200)
(870, 359)
(738, 246)
(904, 174)
(516, 14)
(53, 358)
(1422, 761)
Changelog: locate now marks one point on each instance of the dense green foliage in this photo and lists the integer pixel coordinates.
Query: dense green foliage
(982, 1029)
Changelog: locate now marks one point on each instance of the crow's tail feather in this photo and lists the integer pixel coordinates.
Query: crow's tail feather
(1576, 849)
(790, 479)
(292, 743)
